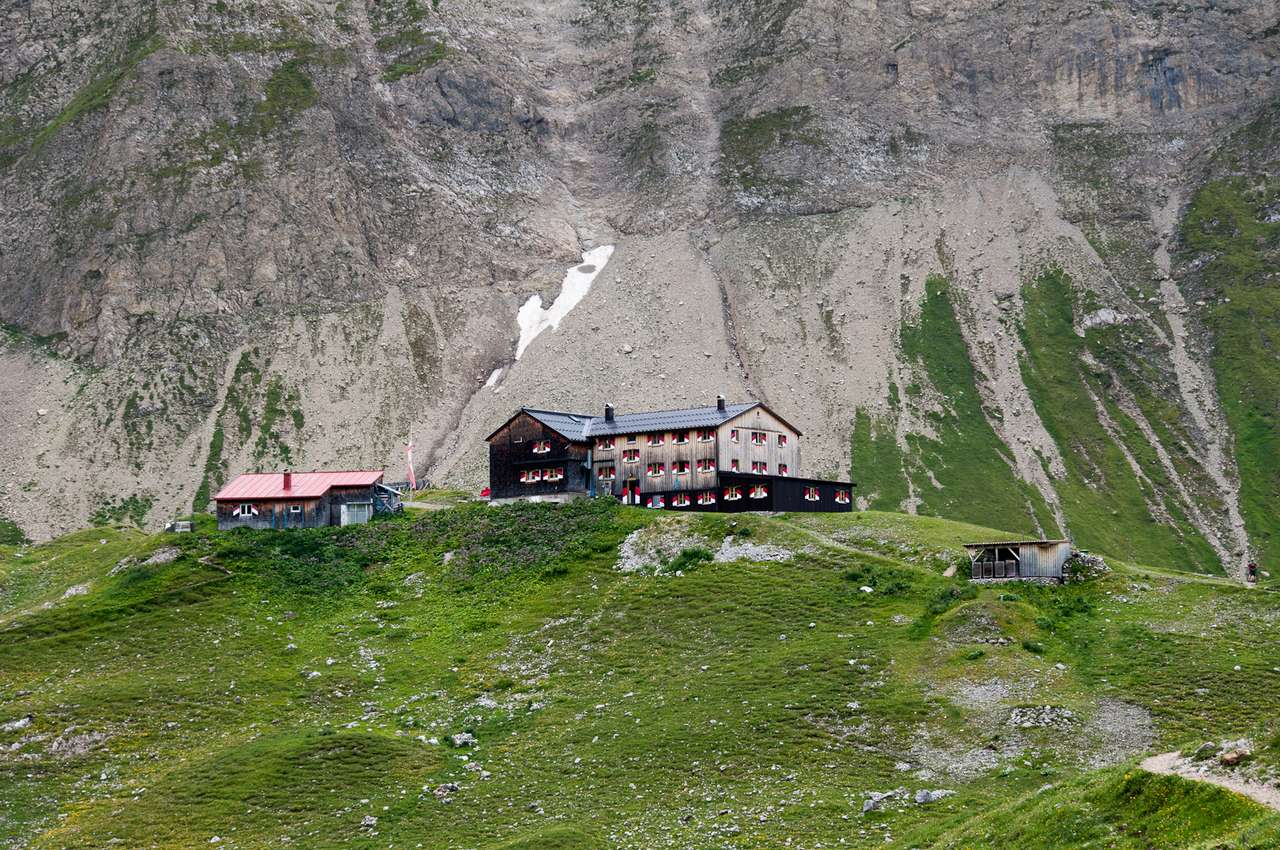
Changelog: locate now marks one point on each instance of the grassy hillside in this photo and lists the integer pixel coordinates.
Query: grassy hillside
(321, 688)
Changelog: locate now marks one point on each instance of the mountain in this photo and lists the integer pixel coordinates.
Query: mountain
(587, 676)
(1009, 262)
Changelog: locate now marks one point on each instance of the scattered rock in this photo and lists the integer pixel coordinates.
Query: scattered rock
(75, 590)
(1206, 750)
(463, 739)
(164, 555)
(16, 725)
(925, 796)
(1231, 758)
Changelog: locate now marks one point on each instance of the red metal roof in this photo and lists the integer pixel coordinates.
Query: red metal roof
(303, 485)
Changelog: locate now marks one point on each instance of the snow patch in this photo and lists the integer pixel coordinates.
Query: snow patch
(495, 374)
(533, 319)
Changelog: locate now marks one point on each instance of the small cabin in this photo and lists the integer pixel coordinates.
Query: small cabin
(1018, 559)
(304, 499)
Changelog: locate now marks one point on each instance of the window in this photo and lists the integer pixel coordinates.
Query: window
(295, 509)
(541, 447)
(603, 443)
(705, 436)
(733, 435)
(811, 494)
(707, 498)
(556, 474)
(732, 494)
(245, 509)
(782, 439)
(842, 497)
(630, 455)
(653, 440)
(706, 464)
(530, 476)
(680, 467)
(606, 473)
(680, 438)
(656, 502)
(759, 467)
(759, 491)
(631, 438)
(782, 469)
(733, 464)
(759, 438)
(653, 470)
(680, 500)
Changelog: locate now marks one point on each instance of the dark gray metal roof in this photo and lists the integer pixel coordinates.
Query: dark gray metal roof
(572, 425)
(580, 427)
(666, 420)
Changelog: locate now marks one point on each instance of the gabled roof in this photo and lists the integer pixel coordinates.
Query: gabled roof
(571, 425)
(580, 427)
(303, 485)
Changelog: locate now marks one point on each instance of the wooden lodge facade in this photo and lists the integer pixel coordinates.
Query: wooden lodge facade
(282, 500)
(726, 457)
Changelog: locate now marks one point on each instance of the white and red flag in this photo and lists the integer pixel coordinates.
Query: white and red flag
(408, 457)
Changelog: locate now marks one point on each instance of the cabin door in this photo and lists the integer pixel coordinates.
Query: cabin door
(631, 492)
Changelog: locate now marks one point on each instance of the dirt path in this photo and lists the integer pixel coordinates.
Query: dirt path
(1172, 764)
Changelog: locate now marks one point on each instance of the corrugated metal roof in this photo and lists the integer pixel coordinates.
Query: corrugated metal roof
(1014, 543)
(666, 420)
(303, 485)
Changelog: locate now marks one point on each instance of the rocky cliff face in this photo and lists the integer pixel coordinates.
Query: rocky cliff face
(947, 239)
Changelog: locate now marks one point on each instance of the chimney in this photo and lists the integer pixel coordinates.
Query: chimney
(288, 480)
(608, 413)
(720, 403)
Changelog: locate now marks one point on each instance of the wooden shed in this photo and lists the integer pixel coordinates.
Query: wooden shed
(1018, 559)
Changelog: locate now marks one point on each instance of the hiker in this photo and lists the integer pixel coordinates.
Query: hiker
(1252, 575)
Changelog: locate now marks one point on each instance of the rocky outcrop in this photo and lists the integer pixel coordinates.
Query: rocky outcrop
(253, 235)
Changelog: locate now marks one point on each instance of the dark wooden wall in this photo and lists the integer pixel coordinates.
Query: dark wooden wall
(275, 514)
(511, 450)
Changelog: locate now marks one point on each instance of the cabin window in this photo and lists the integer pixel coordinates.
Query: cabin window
(517, 439)
(680, 500)
(631, 438)
(245, 509)
(783, 469)
(759, 467)
(656, 502)
(706, 436)
(653, 470)
(541, 447)
(782, 439)
(556, 474)
(759, 438)
(732, 494)
(295, 509)
(733, 464)
(630, 455)
(733, 435)
(707, 498)
(706, 464)
(842, 497)
(652, 440)
(759, 491)
(680, 467)
(603, 443)
(530, 476)
(606, 473)
(811, 494)
(680, 438)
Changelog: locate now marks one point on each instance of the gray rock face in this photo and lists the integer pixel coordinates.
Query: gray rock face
(269, 238)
